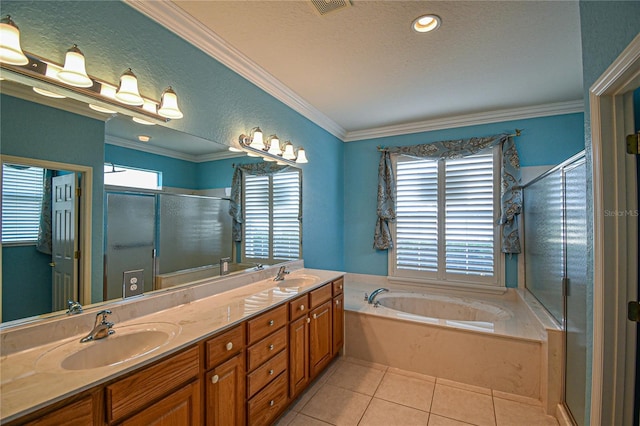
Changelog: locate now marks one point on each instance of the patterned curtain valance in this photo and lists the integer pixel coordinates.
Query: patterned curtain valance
(511, 194)
(235, 204)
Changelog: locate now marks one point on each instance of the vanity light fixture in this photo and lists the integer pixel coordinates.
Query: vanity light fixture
(101, 109)
(48, 93)
(149, 106)
(10, 50)
(74, 72)
(426, 23)
(169, 104)
(271, 150)
(128, 89)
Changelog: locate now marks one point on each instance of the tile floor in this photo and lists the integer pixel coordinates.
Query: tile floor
(354, 392)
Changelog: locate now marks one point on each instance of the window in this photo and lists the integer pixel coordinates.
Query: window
(22, 188)
(131, 177)
(271, 217)
(445, 228)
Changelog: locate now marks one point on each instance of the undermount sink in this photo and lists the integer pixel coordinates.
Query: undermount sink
(129, 342)
(298, 281)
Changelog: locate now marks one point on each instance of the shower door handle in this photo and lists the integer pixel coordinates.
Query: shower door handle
(633, 311)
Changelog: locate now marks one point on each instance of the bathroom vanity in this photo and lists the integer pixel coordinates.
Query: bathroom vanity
(237, 357)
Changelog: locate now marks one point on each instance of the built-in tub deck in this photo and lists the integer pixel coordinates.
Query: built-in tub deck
(492, 341)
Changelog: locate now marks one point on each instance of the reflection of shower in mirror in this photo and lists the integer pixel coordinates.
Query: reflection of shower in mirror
(113, 168)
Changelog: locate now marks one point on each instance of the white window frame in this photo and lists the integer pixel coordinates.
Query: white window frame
(270, 258)
(442, 277)
(108, 167)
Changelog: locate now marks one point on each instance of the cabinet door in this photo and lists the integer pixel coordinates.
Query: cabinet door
(338, 323)
(181, 407)
(225, 390)
(298, 355)
(79, 412)
(320, 331)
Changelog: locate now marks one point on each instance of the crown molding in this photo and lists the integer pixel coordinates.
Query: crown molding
(545, 110)
(176, 20)
(151, 149)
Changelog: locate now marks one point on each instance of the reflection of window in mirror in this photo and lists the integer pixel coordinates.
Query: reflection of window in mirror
(21, 203)
(132, 177)
(271, 217)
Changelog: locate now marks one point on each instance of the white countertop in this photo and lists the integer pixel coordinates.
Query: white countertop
(30, 381)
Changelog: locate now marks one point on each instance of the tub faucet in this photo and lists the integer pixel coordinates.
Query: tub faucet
(74, 307)
(281, 273)
(373, 295)
(101, 329)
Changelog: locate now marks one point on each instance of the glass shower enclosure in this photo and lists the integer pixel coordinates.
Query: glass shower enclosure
(555, 226)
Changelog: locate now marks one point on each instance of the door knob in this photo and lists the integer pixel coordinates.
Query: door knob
(52, 264)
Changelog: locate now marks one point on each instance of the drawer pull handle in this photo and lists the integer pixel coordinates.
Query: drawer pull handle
(338, 302)
(270, 347)
(308, 320)
(229, 346)
(215, 379)
(340, 286)
(315, 316)
(271, 323)
(302, 307)
(271, 403)
(271, 372)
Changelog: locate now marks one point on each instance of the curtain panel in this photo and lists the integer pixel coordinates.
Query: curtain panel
(511, 193)
(44, 243)
(235, 204)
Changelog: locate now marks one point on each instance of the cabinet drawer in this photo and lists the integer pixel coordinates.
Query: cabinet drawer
(319, 296)
(338, 287)
(298, 307)
(266, 348)
(268, 403)
(224, 346)
(140, 389)
(266, 323)
(263, 375)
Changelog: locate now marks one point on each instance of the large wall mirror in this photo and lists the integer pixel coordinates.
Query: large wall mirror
(175, 235)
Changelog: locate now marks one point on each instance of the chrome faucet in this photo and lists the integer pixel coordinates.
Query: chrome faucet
(101, 329)
(281, 273)
(74, 307)
(373, 295)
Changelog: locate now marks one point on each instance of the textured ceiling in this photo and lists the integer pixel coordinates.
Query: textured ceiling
(364, 68)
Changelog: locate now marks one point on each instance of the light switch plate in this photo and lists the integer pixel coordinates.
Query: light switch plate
(133, 283)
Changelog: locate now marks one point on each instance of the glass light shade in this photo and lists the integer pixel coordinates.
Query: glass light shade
(149, 106)
(269, 159)
(169, 104)
(274, 148)
(302, 156)
(252, 154)
(10, 50)
(108, 91)
(128, 90)
(47, 93)
(74, 72)
(101, 109)
(288, 151)
(256, 139)
(234, 149)
(52, 71)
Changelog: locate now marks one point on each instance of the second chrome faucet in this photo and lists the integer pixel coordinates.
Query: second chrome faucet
(101, 329)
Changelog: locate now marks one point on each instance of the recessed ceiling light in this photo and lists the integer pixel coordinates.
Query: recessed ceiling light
(426, 23)
(144, 138)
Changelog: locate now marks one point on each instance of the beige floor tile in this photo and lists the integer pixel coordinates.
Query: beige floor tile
(384, 413)
(435, 420)
(405, 390)
(305, 396)
(411, 374)
(302, 420)
(365, 363)
(464, 405)
(286, 418)
(478, 389)
(517, 398)
(356, 377)
(337, 406)
(512, 413)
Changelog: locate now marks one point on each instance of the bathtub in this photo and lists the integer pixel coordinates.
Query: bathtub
(491, 341)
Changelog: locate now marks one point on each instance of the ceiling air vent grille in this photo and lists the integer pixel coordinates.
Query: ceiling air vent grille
(325, 6)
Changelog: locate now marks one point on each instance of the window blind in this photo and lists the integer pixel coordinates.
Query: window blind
(286, 210)
(256, 217)
(21, 203)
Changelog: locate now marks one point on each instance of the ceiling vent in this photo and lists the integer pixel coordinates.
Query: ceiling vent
(325, 6)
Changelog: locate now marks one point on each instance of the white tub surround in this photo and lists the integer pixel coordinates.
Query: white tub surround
(492, 341)
(30, 381)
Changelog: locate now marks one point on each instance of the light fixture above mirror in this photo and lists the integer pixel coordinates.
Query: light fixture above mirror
(72, 80)
(270, 149)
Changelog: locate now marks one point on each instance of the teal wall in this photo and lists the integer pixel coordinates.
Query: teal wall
(544, 141)
(36, 131)
(607, 27)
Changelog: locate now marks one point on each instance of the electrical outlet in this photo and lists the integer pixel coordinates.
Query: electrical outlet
(133, 283)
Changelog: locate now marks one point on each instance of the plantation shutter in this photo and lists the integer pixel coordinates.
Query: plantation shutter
(21, 203)
(469, 215)
(286, 211)
(256, 217)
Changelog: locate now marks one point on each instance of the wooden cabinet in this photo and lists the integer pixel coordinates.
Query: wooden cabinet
(338, 323)
(181, 407)
(84, 409)
(225, 390)
(320, 344)
(269, 403)
(298, 355)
